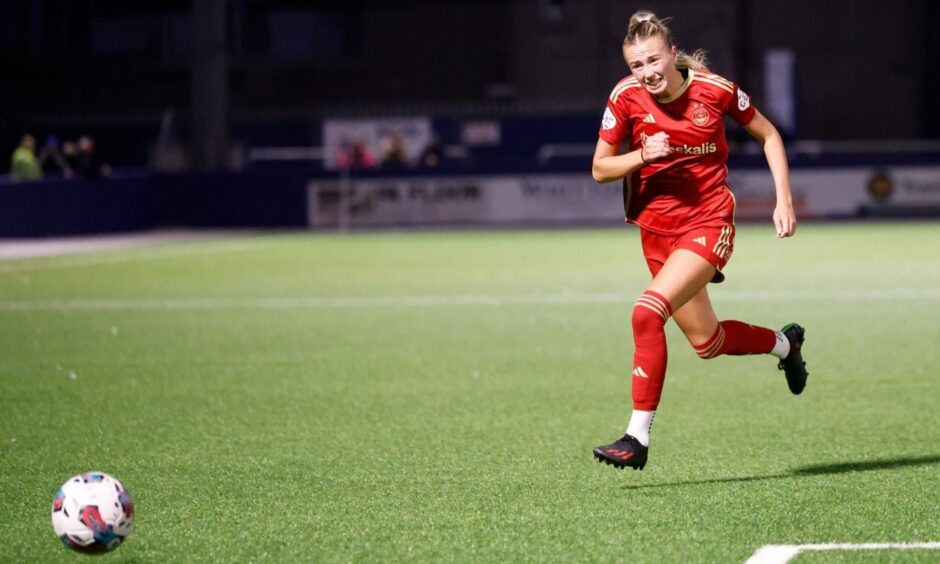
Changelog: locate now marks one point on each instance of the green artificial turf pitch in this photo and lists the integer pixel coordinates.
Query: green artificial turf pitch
(436, 396)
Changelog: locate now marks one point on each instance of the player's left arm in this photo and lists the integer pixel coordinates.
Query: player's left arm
(769, 138)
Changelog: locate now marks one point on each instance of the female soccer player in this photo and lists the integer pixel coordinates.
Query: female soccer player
(670, 112)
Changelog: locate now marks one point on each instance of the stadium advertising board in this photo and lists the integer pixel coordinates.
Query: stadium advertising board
(575, 198)
(556, 198)
(842, 193)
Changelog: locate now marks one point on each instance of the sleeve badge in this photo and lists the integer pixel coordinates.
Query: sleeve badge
(743, 100)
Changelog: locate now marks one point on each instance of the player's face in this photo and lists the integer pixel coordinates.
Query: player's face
(653, 63)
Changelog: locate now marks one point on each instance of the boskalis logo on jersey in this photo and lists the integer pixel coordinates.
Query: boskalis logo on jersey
(703, 149)
(609, 121)
(743, 100)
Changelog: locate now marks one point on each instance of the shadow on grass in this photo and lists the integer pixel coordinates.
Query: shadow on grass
(813, 470)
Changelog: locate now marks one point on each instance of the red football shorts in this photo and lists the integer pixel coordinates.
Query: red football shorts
(714, 244)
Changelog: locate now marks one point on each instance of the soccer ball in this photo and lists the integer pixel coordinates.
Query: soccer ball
(92, 513)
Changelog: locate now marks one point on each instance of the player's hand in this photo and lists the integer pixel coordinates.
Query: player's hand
(656, 147)
(784, 220)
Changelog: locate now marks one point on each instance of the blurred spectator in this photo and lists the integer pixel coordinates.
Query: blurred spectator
(356, 155)
(52, 160)
(433, 153)
(394, 153)
(23, 163)
(70, 153)
(87, 163)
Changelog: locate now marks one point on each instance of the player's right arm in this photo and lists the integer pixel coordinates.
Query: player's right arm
(608, 165)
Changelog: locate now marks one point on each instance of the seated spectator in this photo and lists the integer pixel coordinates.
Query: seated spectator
(70, 153)
(52, 160)
(433, 154)
(394, 153)
(23, 163)
(354, 156)
(87, 163)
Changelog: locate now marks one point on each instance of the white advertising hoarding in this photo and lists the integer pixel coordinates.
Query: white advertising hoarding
(575, 198)
(438, 200)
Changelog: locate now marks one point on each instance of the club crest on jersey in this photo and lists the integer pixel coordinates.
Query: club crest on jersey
(700, 116)
(609, 120)
(743, 100)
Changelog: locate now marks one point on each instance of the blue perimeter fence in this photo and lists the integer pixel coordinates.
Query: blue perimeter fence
(275, 195)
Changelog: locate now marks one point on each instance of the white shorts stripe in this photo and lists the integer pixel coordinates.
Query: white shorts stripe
(723, 246)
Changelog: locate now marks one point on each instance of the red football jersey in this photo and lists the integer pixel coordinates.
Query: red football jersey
(685, 190)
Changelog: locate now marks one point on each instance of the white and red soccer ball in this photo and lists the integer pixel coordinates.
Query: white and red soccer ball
(92, 513)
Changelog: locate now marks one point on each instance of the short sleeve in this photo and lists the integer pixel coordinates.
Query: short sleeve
(614, 126)
(740, 107)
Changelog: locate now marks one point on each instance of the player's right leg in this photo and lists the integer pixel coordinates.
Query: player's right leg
(681, 277)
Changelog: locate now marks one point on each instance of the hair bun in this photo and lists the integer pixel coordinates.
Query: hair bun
(642, 16)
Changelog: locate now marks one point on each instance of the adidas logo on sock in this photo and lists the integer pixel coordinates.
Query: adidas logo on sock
(639, 373)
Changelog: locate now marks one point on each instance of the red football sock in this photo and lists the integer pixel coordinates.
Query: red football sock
(737, 338)
(649, 358)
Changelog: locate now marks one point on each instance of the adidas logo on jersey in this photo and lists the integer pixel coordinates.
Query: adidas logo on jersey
(649, 119)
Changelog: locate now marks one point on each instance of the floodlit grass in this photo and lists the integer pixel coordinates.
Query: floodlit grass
(252, 418)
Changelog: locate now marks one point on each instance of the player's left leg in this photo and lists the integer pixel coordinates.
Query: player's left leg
(711, 338)
(792, 364)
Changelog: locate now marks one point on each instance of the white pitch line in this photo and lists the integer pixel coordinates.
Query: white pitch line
(155, 253)
(439, 300)
(783, 553)
(842, 295)
(319, 303)
(774, 554)
(16, 249)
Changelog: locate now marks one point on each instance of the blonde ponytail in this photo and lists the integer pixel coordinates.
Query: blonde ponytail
(697, 60)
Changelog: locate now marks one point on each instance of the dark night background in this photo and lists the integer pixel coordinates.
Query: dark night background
(863, 71)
